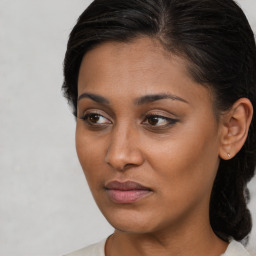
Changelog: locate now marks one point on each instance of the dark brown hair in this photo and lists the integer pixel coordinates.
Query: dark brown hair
(215, 38)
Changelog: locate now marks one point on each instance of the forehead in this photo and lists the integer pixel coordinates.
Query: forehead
(138, 48)
(143, 54)
(139, 67)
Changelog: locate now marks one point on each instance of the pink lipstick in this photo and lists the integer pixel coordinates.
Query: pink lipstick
(126, 192)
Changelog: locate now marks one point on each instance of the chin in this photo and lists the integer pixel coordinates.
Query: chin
(131, 222)
(134, 228)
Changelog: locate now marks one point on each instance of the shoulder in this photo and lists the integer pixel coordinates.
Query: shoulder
(236, 249)
(96, 249)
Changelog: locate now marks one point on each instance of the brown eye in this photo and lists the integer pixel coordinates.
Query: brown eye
(153, 120)
(159, 121)
(94, 118)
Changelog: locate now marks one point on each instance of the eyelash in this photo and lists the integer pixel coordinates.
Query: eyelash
(86, 117)
(168, 121)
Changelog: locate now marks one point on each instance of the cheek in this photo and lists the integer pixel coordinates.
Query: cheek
(90, 153)
(186, 164)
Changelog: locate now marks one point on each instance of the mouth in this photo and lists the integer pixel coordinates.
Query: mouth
(126, 192)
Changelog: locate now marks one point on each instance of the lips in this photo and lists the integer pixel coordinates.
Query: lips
(126, 192)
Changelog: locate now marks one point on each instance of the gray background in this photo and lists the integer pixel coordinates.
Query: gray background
(45, 204)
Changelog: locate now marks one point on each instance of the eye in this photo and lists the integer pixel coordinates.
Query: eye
(159, 121)
(95, 119)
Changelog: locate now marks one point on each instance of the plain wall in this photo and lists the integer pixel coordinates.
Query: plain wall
(45, 204)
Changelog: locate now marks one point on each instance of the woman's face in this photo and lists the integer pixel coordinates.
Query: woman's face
(146, 137)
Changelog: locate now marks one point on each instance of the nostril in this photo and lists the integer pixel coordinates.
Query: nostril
(117, 160)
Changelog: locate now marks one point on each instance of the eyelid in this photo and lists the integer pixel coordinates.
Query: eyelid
(89, 112)
(94, 111)
(88, 105)
(161, 113)
(160, 117)
(167, 123)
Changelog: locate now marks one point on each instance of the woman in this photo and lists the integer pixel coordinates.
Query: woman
(163, 92)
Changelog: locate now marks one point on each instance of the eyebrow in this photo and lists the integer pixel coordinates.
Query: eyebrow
(155, 97)
(94, 97)
(139, 101)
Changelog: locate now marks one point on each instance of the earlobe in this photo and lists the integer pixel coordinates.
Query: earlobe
(234, 128)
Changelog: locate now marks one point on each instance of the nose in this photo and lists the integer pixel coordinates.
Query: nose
(123, 149)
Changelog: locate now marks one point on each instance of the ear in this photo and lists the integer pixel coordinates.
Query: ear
(235, 124)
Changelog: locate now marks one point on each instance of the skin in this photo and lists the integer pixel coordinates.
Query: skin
(175, 153)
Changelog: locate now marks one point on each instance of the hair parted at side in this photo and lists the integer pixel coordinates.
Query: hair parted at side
(215, 38)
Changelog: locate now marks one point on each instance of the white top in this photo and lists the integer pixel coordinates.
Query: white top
(234, 249)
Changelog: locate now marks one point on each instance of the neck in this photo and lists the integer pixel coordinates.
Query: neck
(196, 239)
